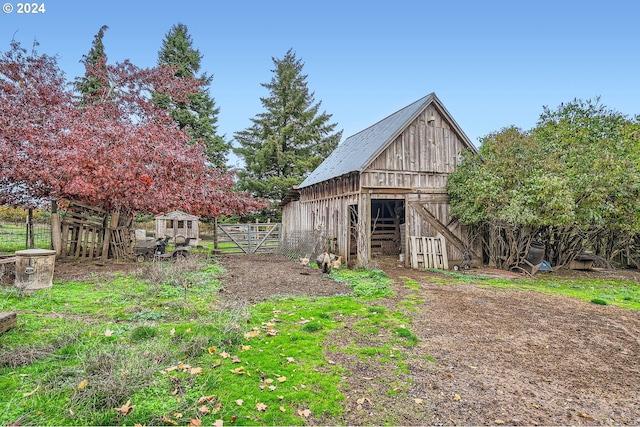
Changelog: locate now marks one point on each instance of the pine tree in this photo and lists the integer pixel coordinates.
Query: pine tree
(89, 86)
(289, 139)
(200, 114)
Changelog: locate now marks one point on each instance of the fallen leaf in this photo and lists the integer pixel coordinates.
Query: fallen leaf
(499, 422)
(239, 402)
(252, 334)
(31, 392)
(82, 384)
(219, 423)
(224, 355)
(282, 379)
(126, 408)
(246, 347)
(235, 359)
(282, 409)
(172, 332)
(195, 371)
(217, 363)
(290, 359)
(583, 415)
(272, 387)
(418, 401)
(204, 409)
(108, 333)
(305, 413)
(204, 399)
(261, 407)
(268, 381)
(195, 422)
(212, 349)
(456, 397)
(231, 420)
(169, 420)
(239, 370)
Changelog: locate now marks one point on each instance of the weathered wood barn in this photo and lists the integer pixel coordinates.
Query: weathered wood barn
(383, 185)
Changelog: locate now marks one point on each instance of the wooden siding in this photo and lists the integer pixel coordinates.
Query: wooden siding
(329, 215)
(428, 144)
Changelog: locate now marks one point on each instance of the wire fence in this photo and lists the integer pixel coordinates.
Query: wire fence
(18, 236)
(298, 244)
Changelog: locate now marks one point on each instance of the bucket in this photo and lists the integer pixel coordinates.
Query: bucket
(535, 255)
(34, 269)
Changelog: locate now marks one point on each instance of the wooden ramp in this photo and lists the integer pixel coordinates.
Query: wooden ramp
(429, 252)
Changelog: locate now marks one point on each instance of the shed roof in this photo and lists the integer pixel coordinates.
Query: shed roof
(359, 150)
(177, 215)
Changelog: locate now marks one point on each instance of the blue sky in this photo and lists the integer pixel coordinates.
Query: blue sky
(492, 63)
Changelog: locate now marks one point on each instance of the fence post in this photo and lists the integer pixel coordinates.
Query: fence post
(31, 240)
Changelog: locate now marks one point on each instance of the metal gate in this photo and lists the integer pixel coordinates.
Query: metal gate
(248, 238)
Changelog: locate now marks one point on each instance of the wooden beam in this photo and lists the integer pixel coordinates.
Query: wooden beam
(441, 228)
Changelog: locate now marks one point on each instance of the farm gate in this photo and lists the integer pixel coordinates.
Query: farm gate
(248, 238)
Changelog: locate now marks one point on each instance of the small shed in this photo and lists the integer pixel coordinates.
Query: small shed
(384, 185)
(178, 225)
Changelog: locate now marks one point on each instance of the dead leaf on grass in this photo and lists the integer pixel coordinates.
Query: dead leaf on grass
(31, 392)
(205, 399)
(195, 422)
(235, 359)
(212, 349)
(252, 333)
(282, 379)
(418, 401)
(225, 355)
(204, 409)
(108, 333)
(166, 419)
(195, 371)
(126, 408)
(304, 413)
(456, 397)
(220, 423)
(239, 402)
(83, 384)
(261, 407)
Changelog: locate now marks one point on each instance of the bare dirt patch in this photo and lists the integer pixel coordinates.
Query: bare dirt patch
(484, 357)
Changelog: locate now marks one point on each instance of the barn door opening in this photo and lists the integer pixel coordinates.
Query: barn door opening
(387, 227)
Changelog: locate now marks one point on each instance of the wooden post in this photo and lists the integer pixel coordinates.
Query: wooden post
(215, 233)
(56, 232)
(113, 224)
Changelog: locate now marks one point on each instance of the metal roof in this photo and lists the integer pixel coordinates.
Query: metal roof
(359, 150)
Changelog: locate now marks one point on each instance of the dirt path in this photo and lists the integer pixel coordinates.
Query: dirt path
(523, 358)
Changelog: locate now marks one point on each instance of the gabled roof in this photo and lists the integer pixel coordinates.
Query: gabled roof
(359, 150)
(177, 215)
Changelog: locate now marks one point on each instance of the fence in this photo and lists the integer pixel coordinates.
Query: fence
(19, 236)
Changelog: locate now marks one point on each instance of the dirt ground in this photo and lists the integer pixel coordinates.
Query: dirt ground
(484, 357)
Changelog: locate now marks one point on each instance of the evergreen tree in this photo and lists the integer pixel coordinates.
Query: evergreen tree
(200, 113)
(89, 85)
(289, 139)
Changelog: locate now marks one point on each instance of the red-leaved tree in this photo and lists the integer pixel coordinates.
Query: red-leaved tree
(117, 150)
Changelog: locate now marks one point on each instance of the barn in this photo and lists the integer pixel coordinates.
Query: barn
(385, 186)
